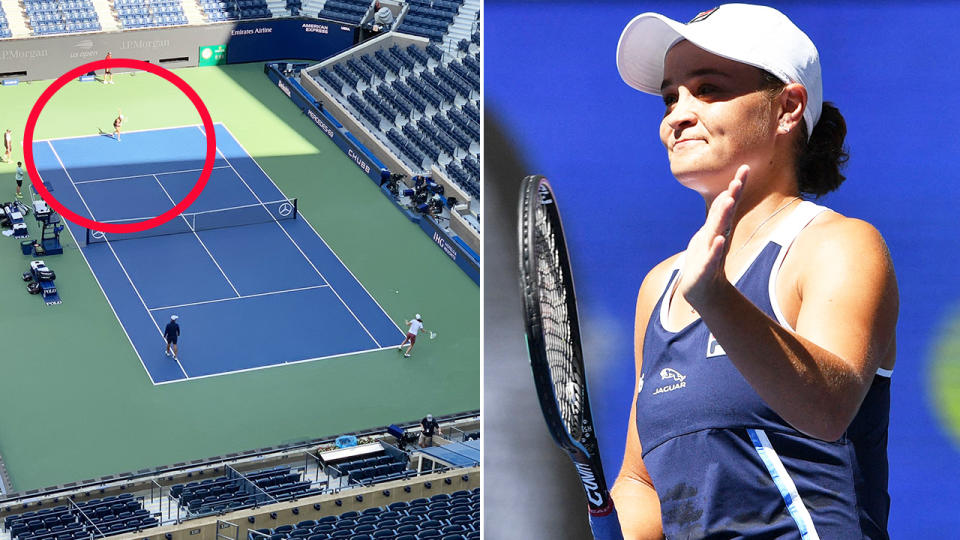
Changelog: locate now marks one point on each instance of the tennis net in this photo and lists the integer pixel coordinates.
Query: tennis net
(189, 222)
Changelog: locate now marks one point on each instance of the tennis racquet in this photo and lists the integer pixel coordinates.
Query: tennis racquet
(553, 342)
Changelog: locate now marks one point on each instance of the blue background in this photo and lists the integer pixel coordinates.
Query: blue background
(551, 80)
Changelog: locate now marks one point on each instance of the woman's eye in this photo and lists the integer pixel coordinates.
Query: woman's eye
(706, 89)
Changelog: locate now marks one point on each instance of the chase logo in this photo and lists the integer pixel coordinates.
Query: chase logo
(703, 15)
(670, 373)
(714, 348)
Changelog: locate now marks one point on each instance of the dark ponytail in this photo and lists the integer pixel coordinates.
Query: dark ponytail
(820, 159)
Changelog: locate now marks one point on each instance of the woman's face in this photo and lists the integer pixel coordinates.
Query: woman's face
(716, 118)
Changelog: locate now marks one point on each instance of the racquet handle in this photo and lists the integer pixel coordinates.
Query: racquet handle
(606, 526)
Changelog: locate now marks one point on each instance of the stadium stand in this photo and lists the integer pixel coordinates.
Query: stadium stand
(149, 13)
(114, 515)
(4, 27)
(384, 487)
(349, 11)
(61, 17)
(231, 10)
(429, 18)
(418, 101)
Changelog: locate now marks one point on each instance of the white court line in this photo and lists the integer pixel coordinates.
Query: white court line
(295, 242)
(258, 368)
(144, 175)
(236, 140)
(197, 236)
(65, 171)
(124, 132)
(237, 297)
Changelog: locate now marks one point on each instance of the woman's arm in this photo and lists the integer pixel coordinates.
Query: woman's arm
(814, 378)
(633, 493)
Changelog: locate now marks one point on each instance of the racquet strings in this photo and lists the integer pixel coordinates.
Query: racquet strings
(555, 305)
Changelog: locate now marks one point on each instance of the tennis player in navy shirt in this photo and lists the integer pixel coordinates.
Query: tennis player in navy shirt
(764, 350)
(171, 333)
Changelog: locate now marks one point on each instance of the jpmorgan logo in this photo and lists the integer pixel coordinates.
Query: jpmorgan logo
(589, 482)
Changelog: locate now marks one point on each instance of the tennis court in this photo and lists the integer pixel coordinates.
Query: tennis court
(253, 284)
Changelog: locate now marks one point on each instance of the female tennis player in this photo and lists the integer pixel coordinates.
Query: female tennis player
(117, 124)
(764, 350)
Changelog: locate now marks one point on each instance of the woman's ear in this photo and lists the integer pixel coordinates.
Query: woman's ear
(793, 101)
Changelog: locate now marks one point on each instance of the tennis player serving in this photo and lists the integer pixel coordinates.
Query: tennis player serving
(764, 350)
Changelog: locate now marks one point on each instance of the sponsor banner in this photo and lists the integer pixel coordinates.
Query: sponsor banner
(369, 165)
(453, 250)
(48, 57)
(288, 38)
(212, 55)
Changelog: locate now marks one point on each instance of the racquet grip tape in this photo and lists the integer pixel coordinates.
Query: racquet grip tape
(605, 524)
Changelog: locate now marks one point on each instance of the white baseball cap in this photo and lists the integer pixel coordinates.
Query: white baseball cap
(418, 316)
(174, 317)
(758, 36)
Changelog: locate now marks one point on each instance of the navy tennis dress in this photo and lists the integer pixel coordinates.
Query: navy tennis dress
(724, 464)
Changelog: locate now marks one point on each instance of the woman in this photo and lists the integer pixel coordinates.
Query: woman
(764, 350)
(117, 124)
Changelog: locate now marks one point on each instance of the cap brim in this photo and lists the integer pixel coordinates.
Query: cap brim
(643, 47)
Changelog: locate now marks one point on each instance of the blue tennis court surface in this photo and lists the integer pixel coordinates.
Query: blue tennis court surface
(253, 284)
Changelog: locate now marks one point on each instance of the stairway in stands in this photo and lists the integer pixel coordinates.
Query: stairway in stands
(193, 12)
(463, 25)
(108, 21)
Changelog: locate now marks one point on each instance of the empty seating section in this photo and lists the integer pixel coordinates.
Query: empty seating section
(364, 73)
(376, 67)
(254, 9)
(347, 75)
(96, 518)
(429, 18)
(220, 10)
(430, 100)
(416, 53)
(232, 492)
(379, 468)
(402, 89)
(365, 110)
(351, 11)
(4, 27)
(332, 79)
(406, 148)
(149, 13)
(388, 61)
(61, 17)
(467, 74)
(451, 517)
(231, 10)
(387, 111)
